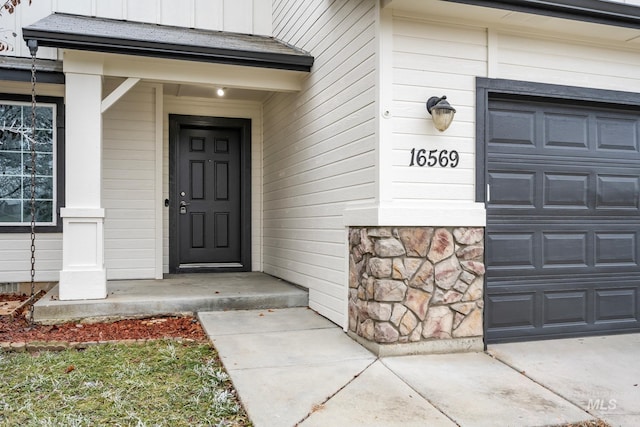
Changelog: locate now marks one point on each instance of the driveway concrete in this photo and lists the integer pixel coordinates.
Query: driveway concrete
(601, 375)
(474, 389)
(293, 367)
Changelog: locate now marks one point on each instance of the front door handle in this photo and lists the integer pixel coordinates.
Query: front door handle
(183, 207)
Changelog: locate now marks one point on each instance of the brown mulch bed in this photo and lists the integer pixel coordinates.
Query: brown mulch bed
(19, 329)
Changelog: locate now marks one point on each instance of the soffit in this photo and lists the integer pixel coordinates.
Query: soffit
(547, 16)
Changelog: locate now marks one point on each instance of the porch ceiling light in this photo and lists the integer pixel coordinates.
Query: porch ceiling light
(220, 91)
(441, 111)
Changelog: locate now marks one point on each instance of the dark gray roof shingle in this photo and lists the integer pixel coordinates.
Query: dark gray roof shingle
(136, 38)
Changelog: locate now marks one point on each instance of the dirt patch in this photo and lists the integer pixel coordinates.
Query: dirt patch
(592, 423)
(19, 329)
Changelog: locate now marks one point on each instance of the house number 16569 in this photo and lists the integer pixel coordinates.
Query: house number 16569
(431, 158)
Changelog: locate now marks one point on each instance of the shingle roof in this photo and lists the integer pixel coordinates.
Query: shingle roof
(136, 38)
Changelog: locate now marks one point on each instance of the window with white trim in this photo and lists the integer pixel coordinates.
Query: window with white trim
(15, 163)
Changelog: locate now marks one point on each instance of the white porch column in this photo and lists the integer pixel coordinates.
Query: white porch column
(83, 274)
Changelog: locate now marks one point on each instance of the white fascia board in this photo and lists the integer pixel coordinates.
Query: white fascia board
(431, 213)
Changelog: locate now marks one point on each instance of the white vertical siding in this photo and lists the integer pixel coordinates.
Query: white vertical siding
(242, 16)
(433, 59)
(219, 108)
(128, 184)
(319, 147)
(11, 29)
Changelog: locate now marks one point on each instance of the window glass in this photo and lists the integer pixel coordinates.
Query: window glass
(15, 163)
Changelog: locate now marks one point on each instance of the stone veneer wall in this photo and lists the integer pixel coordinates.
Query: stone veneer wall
(415, 284)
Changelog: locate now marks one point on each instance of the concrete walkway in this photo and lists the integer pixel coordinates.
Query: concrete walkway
(293, 367)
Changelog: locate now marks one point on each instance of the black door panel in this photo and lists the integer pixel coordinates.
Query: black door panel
(209, 196)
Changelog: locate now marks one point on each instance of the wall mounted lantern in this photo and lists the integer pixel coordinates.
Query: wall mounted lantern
(441, 111)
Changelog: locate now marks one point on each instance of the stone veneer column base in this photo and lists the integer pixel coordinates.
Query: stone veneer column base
(454, 345)
(416, 289)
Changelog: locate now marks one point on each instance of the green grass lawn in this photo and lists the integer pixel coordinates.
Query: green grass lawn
(161, 383)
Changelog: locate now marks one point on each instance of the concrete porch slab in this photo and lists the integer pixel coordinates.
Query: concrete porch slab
(177, 294)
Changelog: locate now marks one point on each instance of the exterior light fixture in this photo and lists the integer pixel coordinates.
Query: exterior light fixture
(441, 111)
(220, 91)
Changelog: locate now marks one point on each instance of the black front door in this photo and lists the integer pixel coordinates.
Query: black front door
(209, 216)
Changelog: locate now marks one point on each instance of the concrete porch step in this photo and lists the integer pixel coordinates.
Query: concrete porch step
(176, 294)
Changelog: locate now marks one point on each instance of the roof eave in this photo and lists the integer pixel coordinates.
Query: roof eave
(169, 51)
(596, 11)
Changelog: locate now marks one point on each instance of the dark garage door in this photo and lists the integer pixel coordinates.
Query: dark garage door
(563, 231)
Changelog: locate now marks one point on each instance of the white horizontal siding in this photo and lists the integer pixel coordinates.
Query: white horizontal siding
(128, 186)
(15, 254)
(219, 108)
(319, 149)
(547, 59)
(434, 59)
(15, 257)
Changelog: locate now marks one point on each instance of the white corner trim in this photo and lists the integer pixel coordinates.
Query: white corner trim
(118, 93)
(419, 214)
(160, 209)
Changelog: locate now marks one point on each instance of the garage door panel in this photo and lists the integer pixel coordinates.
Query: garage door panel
(616, 249)
(511, 250)
(564, 250)
(511, 310)
(565, 307)
(539, 249)
(565, 190)
(617, 134)
(618, 192)
(545, 188)
(616, 305)
(563, 130)
(566, 131)
(512, 128)
(513, 189)
(518, 309)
